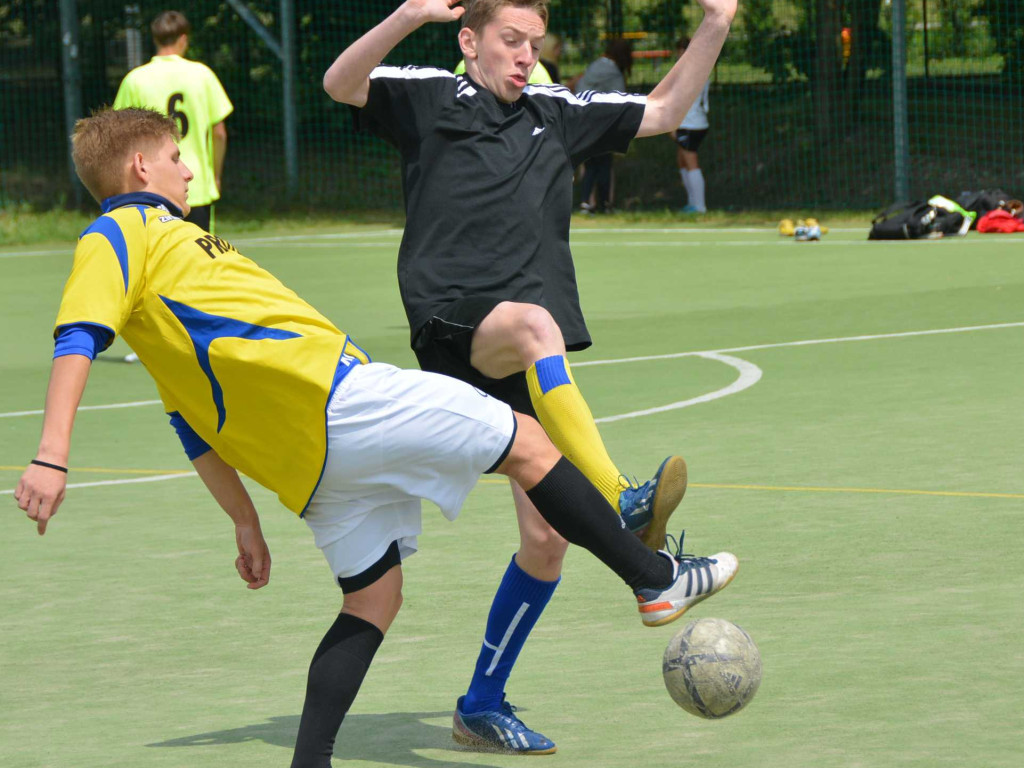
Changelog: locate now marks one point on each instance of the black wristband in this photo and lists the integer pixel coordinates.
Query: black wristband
(58, 467)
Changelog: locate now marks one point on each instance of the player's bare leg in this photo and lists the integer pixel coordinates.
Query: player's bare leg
(340, 664)
(484, 719)
(525, 337)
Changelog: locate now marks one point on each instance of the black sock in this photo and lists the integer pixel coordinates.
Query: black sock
(577, 510)
(335, 674)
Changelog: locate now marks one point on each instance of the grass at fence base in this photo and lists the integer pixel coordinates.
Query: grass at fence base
(887, 610)
(61, 228)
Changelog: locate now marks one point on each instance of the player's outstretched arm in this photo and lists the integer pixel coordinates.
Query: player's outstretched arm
(41, 488)
(348, 79)
(668, 103)
(222, 480)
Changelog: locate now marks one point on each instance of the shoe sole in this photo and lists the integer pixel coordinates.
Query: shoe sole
(672, 617)
(480, 745)
(670, 491)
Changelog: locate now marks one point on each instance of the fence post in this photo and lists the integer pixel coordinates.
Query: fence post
(615, 18)
(72, 76)
(901, 129)
(285, 51)
(291, 144)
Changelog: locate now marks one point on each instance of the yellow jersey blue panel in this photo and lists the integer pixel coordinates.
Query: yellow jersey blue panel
(248, 364)
(190, 93)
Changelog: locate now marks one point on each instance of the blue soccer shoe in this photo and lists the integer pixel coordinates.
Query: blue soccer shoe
(646, 508)
(498, 731)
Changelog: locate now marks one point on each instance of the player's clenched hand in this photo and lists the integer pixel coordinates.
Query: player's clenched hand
(253, 561)
(436, 10)
(723, 8)
(40, 492)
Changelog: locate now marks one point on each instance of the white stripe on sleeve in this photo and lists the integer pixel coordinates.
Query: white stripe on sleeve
(409, 73)
(586, 97)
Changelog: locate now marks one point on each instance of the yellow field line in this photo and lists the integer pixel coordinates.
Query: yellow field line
(108, 471)
(720, 486)
(821, 489)
(817, 489)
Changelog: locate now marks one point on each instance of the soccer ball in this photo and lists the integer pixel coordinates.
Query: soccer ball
(712, 668)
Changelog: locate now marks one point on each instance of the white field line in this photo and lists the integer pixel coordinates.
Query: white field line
(136, 404)
(578, 243)
(669, 356)
(126, 481)
(786, 243)
(805, 343)
(322, 236)
(346, 238)
(750, 374)
(698, 230)
(16, 254)
(70, 249)
(335, 246)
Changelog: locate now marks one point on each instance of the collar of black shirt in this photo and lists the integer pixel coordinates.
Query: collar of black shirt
(504, 106)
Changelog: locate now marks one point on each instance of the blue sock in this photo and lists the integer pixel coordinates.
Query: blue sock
(518, 604)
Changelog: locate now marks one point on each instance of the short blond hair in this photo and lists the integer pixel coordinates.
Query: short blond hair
(101, 145)
(480, 12)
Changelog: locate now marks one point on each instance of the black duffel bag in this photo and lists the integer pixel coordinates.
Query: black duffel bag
(915, 221)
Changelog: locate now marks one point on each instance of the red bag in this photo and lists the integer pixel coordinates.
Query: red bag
(1000, 221)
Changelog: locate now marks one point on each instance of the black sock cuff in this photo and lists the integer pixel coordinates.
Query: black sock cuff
(560, 478)
(361, 638)
(580, 513)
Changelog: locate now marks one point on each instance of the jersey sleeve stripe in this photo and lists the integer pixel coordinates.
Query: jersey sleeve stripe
(410, 73)
(110, 230)
(586, 97)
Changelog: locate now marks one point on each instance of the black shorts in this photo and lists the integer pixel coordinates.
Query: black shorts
(688, 139)
(388, 560)
(200, 216)
(444, 344)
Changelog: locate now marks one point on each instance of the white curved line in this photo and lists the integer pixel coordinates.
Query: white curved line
(750, 374)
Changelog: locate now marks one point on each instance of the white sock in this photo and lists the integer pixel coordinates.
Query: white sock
(685, 176)
(694, 182)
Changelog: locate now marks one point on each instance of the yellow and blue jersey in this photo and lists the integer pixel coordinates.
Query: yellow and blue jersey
(190, 93)
(245, 362)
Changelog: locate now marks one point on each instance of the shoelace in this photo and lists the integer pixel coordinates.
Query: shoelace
(686, 561)
(634, 486)
(512, 720)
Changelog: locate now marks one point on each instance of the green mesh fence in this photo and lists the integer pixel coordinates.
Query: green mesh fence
(801, 100)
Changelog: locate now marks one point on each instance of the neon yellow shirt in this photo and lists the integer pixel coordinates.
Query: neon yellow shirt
(189, 92)
(539, 76)
(246, 362)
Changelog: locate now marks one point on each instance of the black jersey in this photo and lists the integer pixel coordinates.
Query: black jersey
(488, 186)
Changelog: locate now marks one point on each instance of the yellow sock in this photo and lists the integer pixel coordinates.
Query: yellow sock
(566, 418)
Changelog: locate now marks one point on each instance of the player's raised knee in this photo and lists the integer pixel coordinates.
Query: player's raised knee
(532, 454)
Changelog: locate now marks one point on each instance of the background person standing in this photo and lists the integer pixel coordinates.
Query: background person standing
(688, 137)
(605, 74)
(189, 93)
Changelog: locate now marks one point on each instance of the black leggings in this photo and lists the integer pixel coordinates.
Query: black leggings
(598, 173)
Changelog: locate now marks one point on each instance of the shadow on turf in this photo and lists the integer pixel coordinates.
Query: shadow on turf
(383, 738)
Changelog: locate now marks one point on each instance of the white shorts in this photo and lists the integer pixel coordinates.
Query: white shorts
(395, 437)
